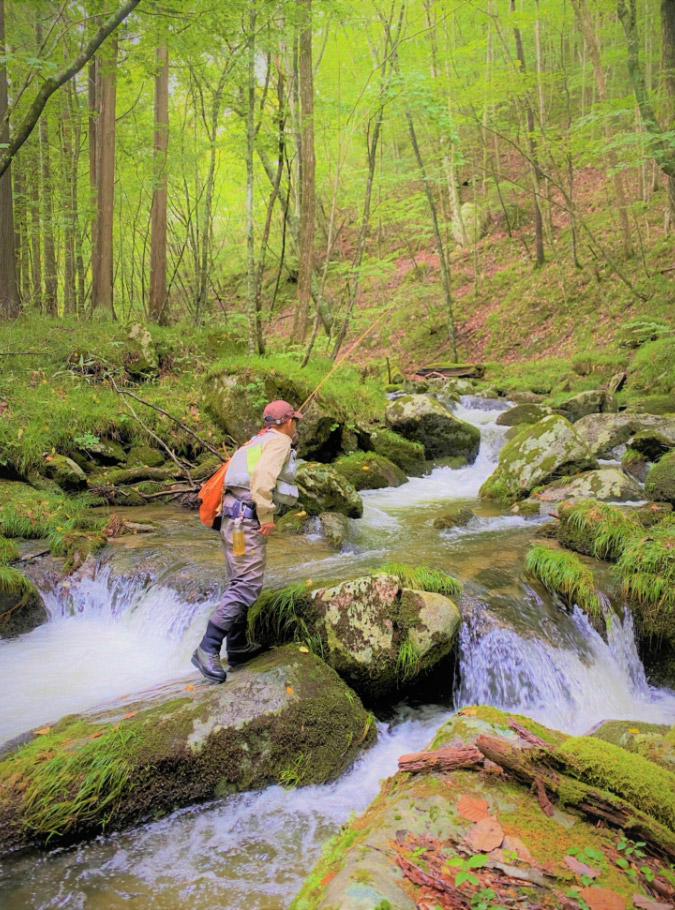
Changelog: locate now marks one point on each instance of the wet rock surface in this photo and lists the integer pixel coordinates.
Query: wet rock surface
(425, 420)
(322, 489)
(606, 485)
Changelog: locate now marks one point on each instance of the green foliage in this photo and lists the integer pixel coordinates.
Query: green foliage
(29, 513)
(407, 660)
(564, 574)
(596, 529)
(9, 552)
(281, 616)
(647, 572)
(424, 578)
(14, 583)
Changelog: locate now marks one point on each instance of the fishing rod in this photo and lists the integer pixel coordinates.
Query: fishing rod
(344, 356)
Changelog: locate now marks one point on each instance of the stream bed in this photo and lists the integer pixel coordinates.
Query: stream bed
(133, 620)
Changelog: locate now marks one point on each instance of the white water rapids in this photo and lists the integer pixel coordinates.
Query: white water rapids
(135, 620)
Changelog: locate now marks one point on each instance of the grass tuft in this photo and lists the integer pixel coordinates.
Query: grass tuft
(424, 578)
(564, 574)
(9, 552)
(407, 660)
(596, 529)
(647, 570)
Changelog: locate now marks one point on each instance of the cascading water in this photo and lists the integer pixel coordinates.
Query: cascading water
(133, 622)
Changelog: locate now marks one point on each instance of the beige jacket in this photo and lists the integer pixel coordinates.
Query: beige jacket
(265, 474)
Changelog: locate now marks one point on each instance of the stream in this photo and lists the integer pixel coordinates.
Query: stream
(133, 620)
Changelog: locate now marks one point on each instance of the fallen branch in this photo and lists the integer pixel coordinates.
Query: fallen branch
(441, 760)
(527, 736)
(414, 874)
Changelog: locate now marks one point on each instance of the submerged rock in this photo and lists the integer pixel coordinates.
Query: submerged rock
(285, 718)
(438, 837)
(606, 485)
(457, 518)
(423, 419)
(322, 489)
(335, 528)
(547, 449)
(369, 471)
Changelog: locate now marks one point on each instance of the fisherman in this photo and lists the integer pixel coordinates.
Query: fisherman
(260, 477)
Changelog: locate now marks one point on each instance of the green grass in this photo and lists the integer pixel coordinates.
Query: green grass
(564, 574)
(647, 572)
(653, 367)
(9, 552)
(596, 529)
(424, 578)
(29, 513)
(407, 660)
(13, 583)
(281, 616)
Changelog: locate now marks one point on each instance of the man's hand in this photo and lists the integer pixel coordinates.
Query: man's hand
(266, 529)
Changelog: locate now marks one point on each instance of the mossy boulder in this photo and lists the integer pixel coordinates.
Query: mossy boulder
(431, 826)
(284, 718)
(140, 357)
(63, 471)
(293, 522)
(660, 482)
(596, 528)
(144, 455)
(539, 453)
(457, 518)
(105, 452)
(380, 635)
(604, 432)
(322, 489)
(522, 414)
(660, 405)
(473, 226)
(21, 606)
(594, 401)
(335, 528)
(425, 420)
(635, 465)
(369, 471)
(405, 453)
(605, 484)
(655, 742)
(651, 444)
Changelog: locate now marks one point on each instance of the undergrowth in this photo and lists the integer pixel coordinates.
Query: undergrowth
(564, 574)
(9, 552)
(596, 529)
(647, 571)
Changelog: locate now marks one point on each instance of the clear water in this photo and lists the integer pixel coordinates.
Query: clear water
(134, 621)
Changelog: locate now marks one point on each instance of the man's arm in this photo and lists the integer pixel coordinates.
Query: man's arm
(265, 474)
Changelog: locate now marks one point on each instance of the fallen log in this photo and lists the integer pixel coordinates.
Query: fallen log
(454, 370)
(441, 760)
(530, 738)
(530, 766)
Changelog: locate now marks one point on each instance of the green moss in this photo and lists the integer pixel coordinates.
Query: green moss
(660, 482)
(653, 367)
(369, 471)
(13, 583)
(624, 732)
(596, 529)
(564, 574)
(633, 778)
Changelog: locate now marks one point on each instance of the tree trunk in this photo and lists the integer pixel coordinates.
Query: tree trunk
(254, 329)
(668, 52)
(307, 193)
(51, 303)
(35, 220)
(21, 231)
(10, 305)
(93, 100)
(102, 281)
(587, 30)
(69, 226)
(158, 302)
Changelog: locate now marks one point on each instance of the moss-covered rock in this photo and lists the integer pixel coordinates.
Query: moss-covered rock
(522, 414)
(564, 574)
(285, 718)
(456, 519)
(596, 529)
(105, 451)
(369, 471)
(605, 485)
(65, 472)
(595, 401)
(140, 358)
(540, 452)
(604, 432)
(21, 606)
(660, 405)
(423, 419)
(144, 455)
(660, 482)
(335, 528)
(651, 741)
(651, 444)
(405, 453)
(293, 522)
(322, 489)
(635, 465)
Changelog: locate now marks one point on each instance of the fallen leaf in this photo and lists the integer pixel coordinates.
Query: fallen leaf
(485, 835)
(516, 846)
(42, 731)
(303, 650)
(633, 730)
(646, 903)
(130, 714)
(96, 735)
(602, 898)
(189, 688)
(309, 581)
(474, 810)
(580, 868)
(365, 468)
(19, 433)
(289, 689)
(467, 712)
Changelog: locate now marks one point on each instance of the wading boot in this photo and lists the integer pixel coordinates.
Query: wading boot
(207, 656)
(240, 656)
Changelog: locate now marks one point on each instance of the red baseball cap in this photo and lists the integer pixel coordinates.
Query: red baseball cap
(279, 412)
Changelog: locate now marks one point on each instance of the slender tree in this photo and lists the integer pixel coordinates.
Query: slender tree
(158, 299)
(10, 305)
(102, 279)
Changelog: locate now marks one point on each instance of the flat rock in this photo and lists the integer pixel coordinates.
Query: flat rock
(606, 485)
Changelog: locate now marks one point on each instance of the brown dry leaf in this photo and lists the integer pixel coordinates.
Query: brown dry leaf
(42, 731)
(485, 835)
(3, 408)
(189, 688)
(646, 903)
(515, 844)
(467, 712)
(580, 868)
(130, 714)
(289, 689)
(96, 735)
(668, 545)
(602, 898)
(474, 810)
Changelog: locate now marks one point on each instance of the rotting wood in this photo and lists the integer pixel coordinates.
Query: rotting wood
(530, 738)
(441, 760)
(455, 370)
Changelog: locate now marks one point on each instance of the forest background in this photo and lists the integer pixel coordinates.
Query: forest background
(462, 180)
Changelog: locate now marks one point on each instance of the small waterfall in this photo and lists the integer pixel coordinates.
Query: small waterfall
(568, 688)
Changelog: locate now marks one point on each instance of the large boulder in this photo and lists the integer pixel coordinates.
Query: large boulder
(606, 485)
(522, 414)
(425, 420)
(595, 401)
(322, 489)
(284, 718)
(660, 482)
(407, 454)
(604, 432)
(369, 471)
(473, 834)
(21, 606)
(547, 449)
(140, 357)
(63, 471)
(474, 224)
(140, 456)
